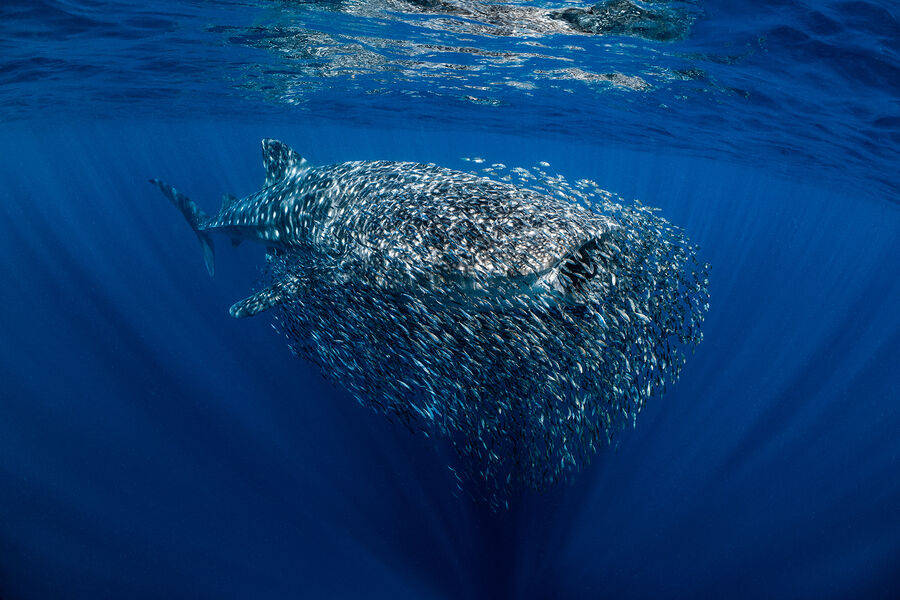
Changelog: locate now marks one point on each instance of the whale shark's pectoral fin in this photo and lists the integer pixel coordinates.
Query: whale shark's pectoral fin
(280, 161)
(262, 300)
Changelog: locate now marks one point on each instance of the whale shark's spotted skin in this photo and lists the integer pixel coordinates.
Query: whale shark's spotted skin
(522, 326)
(397, 213)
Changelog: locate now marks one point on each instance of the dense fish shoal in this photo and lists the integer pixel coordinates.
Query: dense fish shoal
(527, 377)
(520, 317)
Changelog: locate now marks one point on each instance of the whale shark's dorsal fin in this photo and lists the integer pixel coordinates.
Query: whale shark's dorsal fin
(228, 201)
(280, 161)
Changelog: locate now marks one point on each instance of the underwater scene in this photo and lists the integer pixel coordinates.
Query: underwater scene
(449, 299)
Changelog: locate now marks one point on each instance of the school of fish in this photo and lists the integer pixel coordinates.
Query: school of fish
(520, 317)
(523, 344)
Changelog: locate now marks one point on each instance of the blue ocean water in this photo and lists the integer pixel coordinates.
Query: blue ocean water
(152, 446)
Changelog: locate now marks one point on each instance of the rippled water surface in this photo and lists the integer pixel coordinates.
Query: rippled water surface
(152, 446)
(796, 86)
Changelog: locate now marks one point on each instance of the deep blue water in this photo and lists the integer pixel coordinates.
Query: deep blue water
(152, 446)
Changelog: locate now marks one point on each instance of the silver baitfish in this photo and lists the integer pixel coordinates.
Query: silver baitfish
(524, 325)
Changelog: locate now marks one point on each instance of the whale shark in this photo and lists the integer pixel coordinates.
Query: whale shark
(400, 213)
(524, 323)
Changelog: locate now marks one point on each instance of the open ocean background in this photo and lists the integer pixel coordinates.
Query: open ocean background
(153, 447)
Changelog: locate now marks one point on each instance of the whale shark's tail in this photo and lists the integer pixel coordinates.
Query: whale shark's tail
(195, 218)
